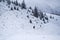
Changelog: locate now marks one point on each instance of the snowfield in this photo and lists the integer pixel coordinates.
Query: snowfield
(14, 25)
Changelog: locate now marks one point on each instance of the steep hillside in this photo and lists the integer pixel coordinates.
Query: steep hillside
(21, 24)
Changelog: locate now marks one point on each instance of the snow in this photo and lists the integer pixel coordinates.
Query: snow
(14, 25)
(26, 36)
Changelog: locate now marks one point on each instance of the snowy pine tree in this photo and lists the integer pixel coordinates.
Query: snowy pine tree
(9, 2)
(41, 15)
(16, 3)
(23, 5)
(35, 13)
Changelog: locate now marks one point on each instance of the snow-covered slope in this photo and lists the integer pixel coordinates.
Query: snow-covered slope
(15, 25)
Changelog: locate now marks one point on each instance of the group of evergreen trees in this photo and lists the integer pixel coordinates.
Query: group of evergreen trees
(22, 5)
(35, 11)
(40, 14)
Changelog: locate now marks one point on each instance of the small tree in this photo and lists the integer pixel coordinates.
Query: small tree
(46, 18)
(14, 8)
(30, 7)
(11, 8)
(41, 15)
(9, 2)
(16, 3)
(35, 13)
(33, 27)
(23, 5)
(32, 11)
(8, 6)
(27, 16)
(30, 21)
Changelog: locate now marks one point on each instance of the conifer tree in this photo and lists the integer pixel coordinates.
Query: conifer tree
(41, 15)
(16, 3)
(9, 2)
(35, 13)
(23, 5)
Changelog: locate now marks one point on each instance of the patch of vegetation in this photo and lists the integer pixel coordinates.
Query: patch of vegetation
(33, 27)
(27, 16)
(23, 5)
(35, 12)
(30, 21)
(51, 17)
(8, 2)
